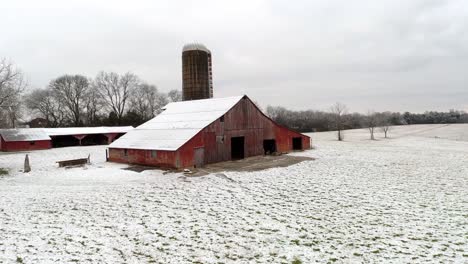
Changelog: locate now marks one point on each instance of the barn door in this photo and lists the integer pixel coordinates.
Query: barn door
(237, 148)
(199, 157)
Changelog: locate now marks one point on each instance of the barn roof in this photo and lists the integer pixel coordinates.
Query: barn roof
(35, 134)
(177, 124)
(65, 131)
(24, 134)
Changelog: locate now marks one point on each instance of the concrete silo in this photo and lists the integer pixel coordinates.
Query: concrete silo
(197, 79)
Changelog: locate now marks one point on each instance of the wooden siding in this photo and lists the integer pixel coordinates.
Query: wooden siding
(165, 159)
(243, 120)
(24, 145)
(181, 158)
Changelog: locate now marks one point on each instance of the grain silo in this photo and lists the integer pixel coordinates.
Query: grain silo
(197, 80)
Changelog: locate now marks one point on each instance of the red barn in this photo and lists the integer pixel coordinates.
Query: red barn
(194, 133)
(44, 138)
(24, 139)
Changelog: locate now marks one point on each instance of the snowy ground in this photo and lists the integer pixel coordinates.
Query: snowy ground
(399, 200)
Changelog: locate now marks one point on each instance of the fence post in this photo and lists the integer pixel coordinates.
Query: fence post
(27, 167)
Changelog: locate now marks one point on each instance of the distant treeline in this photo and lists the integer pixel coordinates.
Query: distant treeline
(311, 120)
(112, 99)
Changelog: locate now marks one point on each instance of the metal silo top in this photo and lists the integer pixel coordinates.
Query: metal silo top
(195, 46)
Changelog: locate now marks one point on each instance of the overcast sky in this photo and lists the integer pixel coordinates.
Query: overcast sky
(382, 55)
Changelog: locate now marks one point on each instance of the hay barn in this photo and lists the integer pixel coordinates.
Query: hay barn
(23, 139)
(193, 133)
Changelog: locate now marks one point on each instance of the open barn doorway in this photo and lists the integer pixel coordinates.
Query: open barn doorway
(64, 141)
(297, 143)
(94, 139)
(237, 148)
(269, 146)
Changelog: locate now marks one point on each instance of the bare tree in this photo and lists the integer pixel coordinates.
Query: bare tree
(72, 92)
(11, 112)
(42, 102)
(94, 103)
(175, 95)
(115, 90)
(12, 84)
(146, 101)
(385, 122)
(371, 121)
(279, 114)
(338, 111)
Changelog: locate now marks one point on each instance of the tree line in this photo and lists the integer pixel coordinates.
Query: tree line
(108, 99)
(338, 118)
(112, 99)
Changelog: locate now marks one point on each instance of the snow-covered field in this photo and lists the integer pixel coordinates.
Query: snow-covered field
(398, 200)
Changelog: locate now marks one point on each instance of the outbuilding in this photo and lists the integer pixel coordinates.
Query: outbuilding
(85, 136)
(24, 139)
(193, 133)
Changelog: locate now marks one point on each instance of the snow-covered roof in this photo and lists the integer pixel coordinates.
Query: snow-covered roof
(177, 124)
(34, 134)
(64, 131)
(195, 46)
(23, 134)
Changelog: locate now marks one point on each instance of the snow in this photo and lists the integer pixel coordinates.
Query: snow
(397, 200)
(34, 134)
(63, 131)
(23, 134)
(178, 123)
(195, 46)
(457, 132)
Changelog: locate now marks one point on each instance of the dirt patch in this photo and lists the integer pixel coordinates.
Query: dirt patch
(141, 168)
(256, 163)
(3, 172)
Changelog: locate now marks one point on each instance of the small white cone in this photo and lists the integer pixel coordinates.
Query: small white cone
(27, 167)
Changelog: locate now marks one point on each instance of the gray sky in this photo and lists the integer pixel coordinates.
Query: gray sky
(394, 55)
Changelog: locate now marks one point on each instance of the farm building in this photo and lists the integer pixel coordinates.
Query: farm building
(44, 138)
(194, 133)
(85, 136)
(24, 139)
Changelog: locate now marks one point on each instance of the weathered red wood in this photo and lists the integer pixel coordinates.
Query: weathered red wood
(243, 120)
(24, 145)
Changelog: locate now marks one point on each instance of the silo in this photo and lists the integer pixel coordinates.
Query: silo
(197, 80)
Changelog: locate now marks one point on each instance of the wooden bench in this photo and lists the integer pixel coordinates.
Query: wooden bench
(73, 162)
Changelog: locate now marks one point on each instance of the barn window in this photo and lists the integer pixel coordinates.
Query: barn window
(220, 139)
(153, 154)
(221, 119)
(32, 143)
(126, 152)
